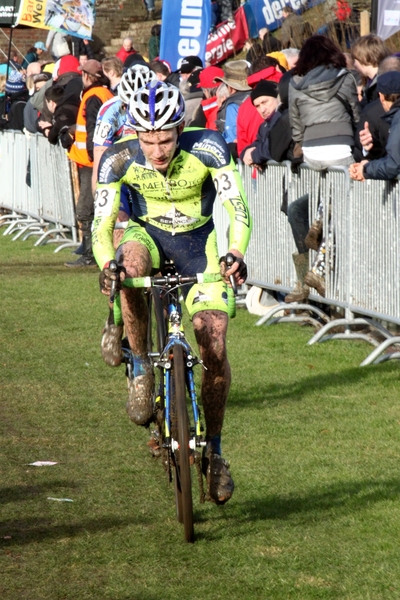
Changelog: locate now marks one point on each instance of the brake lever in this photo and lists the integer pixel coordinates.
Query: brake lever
(230, 259)
(113, 266)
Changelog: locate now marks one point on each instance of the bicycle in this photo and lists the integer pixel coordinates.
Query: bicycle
(179, 432)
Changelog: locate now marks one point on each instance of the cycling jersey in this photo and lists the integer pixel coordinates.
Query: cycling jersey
(178, 202)
(111, 123)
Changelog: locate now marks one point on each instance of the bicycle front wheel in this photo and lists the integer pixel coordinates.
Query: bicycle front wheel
(183, 483)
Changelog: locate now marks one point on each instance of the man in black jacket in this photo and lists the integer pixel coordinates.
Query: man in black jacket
(265, 99)
(64, 108)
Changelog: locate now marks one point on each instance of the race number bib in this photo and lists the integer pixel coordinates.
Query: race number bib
(226, 186)
(103, 202)
(101, 133)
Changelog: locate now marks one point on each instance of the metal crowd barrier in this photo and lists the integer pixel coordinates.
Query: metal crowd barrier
(36, 190)
(362, 266)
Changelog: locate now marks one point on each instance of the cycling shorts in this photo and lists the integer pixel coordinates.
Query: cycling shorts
(192, 252)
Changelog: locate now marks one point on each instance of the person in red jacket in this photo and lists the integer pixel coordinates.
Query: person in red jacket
(126, 50)
(249, 120)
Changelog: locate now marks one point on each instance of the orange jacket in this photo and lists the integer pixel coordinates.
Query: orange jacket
(78, 151)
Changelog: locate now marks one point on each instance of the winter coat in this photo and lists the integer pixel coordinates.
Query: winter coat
(123, 54)
(379, 128)
(63, 118)
(226, 121)
(388, 167)
(370, 92)
(273, 140)
(29, 58)
(292, 31)
(323, 107)
(248, 123)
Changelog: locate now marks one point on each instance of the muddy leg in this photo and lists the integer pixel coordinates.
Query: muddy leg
(136, 260)
(210, 328)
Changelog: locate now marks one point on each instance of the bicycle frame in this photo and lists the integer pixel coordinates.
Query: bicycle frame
(176, 335)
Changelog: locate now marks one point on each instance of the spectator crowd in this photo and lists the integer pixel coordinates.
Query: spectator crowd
(300, 98)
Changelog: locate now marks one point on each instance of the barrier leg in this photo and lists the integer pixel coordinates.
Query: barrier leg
(293, 317)
(375, 356)
(321, 336)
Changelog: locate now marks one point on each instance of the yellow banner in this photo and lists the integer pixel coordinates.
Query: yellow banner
(73, 17)
(33, 13)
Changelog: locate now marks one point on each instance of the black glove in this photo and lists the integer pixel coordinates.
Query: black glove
(230, 259)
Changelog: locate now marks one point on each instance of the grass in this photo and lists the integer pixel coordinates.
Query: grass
(313, 440)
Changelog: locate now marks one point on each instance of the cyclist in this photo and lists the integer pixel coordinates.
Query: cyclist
(173, 174)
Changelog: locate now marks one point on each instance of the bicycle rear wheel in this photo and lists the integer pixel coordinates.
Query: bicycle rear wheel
(183, 483)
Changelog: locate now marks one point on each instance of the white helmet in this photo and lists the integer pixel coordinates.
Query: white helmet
(134, 78)
(157, 106)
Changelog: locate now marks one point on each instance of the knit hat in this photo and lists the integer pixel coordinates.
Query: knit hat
(389, 83)
(189, 63)
(235, 75)
(207, 76)
(15, 83)
(264, 88)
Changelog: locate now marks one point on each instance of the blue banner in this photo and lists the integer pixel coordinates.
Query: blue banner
(268, 13)
(184, 31)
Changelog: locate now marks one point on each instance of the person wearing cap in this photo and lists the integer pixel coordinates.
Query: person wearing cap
(206, 113)
(235, 78)
(265, 99)
(387, 167)
(33, 54)
(95, 93)
(188, 65)
(126, 49)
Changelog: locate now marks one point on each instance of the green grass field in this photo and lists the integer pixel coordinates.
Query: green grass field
(313, 441)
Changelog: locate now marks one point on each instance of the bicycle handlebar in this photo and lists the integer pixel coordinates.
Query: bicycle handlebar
(146, 282)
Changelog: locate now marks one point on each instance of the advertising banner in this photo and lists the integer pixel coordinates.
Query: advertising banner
(388, 18)
(268, 13)
(73, 17)
(184, 31)
(227, 38)
(7, 15)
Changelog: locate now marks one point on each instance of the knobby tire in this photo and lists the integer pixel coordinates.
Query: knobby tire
(183, 485)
